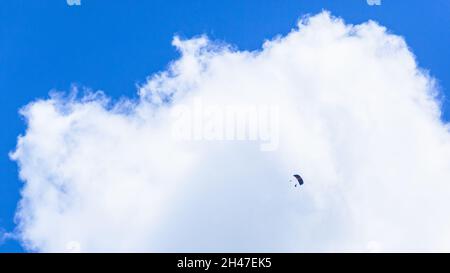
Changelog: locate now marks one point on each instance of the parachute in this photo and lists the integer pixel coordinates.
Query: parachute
(299, 179)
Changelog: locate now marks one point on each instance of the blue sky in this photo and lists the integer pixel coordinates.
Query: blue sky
(114, 45)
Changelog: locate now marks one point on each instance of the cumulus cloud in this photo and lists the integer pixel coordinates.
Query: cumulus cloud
(355, 116)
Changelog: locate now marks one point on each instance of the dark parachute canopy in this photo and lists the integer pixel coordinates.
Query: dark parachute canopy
(299, 179)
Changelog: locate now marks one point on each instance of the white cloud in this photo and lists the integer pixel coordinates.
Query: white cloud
(358, 120)
(4, 236)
